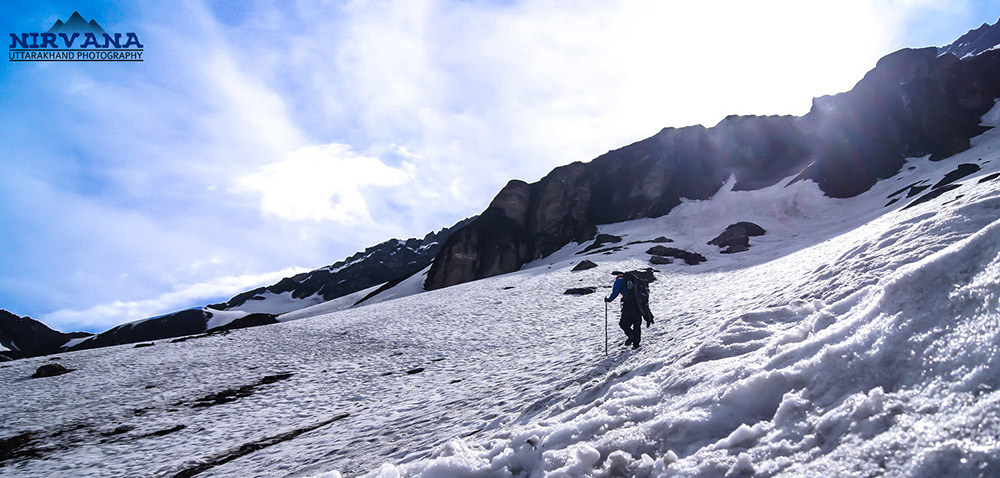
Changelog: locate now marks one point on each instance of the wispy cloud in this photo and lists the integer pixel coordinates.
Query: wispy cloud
(261, 135)
(102, 316)
(319, 183)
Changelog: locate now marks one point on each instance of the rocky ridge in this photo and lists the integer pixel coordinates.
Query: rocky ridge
(27, 337)
(913, 103)
(375, 265)
(974, 42)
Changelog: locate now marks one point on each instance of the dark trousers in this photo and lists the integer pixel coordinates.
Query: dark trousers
(631, 322)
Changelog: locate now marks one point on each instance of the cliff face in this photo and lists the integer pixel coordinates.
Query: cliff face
(913, 103)
(523, 222)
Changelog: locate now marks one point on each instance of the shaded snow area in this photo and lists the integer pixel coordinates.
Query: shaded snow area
(271, 303)
(330, 306)
(852, 339)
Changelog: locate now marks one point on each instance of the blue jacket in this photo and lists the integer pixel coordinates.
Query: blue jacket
(618, 288)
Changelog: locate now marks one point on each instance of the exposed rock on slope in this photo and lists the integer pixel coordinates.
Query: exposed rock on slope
(974, 42)
(373, 266)
(26, 337)
(50, 370)
(524, 221)
(689, 258)
(736, 237)
(187, 322)
(913, 103)
(601, 240)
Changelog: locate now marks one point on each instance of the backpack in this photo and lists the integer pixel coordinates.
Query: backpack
(638, 290)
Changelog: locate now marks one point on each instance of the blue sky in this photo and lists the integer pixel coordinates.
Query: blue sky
(260, 139)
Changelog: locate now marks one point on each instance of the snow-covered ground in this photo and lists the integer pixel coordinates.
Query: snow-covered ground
(853, 339)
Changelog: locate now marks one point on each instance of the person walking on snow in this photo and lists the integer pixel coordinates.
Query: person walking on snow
(635, 305)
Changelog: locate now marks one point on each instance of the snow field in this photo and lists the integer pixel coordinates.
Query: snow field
(882, 362)
(853, 339)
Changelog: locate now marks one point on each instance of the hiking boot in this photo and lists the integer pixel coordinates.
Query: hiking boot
(627, 343)
(635, 346)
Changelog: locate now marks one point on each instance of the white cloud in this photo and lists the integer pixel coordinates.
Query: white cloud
(485, 92)
(490, 92)
(197, 163)
(106, 315)
(248, 111)
(327, 182)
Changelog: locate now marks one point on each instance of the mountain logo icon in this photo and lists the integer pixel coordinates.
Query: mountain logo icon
(76, 24)
(76, 39)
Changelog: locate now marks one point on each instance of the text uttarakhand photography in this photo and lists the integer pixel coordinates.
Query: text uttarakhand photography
(75, 55)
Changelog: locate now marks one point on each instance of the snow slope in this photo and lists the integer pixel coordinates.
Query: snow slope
(330, 306)
(853, 339)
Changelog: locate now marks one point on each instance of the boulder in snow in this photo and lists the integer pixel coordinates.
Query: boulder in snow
(50, 370)
(736, 237)
(690, 258)
(601, 240)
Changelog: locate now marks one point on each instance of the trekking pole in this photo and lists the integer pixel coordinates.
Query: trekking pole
(605, 328)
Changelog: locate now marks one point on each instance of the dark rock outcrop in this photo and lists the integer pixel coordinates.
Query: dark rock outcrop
(50, 370)
(19, 446)
(934, 194)
(207, 463)
(939, 188)
(658, 240)
(736, 237)
(584, 265)
(910, 189)
(232, 394)
(913, 103)
(26, 337)
(252, 320)
(601, 240)
(989, 178)
(580, 291)
(963, 170)
(689, 258)
(524, 222)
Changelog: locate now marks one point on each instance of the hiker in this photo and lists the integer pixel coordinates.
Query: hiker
(635, 305)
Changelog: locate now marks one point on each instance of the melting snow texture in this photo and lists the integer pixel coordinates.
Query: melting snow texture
(853, 339)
